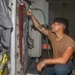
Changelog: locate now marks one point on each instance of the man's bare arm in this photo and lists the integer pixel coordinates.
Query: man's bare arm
(60, 60)
(38, 26)
(36, 23)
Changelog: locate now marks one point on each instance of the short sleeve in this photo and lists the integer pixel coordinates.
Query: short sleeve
(70, 43)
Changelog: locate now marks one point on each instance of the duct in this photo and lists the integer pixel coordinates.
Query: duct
(5, 20)
(5, 24)
(5, 40)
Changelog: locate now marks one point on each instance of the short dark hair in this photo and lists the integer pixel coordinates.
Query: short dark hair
(63, 21)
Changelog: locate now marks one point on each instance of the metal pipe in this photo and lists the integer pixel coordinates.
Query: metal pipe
(13, 44)
(21, 20)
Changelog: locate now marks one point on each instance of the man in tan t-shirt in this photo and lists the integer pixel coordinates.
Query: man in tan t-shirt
(63, 47)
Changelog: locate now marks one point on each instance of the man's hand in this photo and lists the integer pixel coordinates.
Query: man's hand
(28, 13)
(40, 66)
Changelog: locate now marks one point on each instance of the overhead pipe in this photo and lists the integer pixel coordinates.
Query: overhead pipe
(13, 44)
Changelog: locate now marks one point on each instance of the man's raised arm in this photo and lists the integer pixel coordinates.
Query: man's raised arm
(36, 23)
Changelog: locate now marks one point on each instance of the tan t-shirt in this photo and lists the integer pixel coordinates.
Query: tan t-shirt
(60, 46)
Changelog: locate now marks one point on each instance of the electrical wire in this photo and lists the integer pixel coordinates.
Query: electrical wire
(30, 46)
(29, 40)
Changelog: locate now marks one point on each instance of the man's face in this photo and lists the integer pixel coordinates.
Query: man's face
(55, 27)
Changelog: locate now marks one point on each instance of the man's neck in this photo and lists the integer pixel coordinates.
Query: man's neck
(59, 36)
